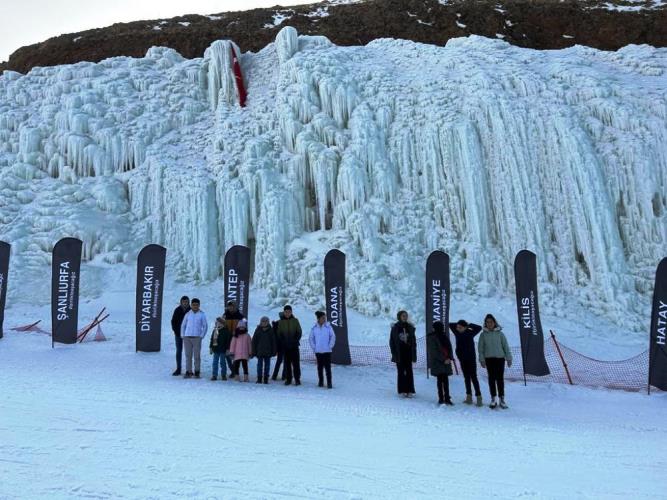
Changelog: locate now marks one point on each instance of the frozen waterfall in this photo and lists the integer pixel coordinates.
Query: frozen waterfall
(386, 151)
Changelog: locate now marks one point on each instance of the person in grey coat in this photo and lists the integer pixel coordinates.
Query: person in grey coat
(494, 351)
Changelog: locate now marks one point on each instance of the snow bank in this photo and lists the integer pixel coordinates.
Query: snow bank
(386, 151)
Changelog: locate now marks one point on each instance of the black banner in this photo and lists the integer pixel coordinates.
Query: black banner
(334, 292)
(657, 366)
(65, 269)
(530, 326)
(5, 249)
(237, 277)
(437, 291)
(150, 285)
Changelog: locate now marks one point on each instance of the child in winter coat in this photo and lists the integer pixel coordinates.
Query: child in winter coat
(322, 340)
(493, 352)
(264, 347)
(440, 360)
(241, 349)
(218, 347)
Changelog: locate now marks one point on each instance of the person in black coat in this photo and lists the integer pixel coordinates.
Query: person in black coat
(403, 344)
(176, 321)
(280, 351)
(465, 350)
(440, 360)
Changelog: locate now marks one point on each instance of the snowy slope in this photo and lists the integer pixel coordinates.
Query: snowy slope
(100, 421)
(386, 151)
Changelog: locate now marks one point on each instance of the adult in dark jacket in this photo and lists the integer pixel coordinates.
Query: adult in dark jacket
(264, 347)
(440, 360)
(403, 344)
(221, 339)
(176, 321)
(232, 316)
(280, 351)
(465, 350)
(289, 333)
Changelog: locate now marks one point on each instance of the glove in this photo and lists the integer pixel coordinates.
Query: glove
(509, 363)
(483, 363)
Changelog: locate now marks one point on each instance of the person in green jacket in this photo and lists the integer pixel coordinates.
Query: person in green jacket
(289, 335)
(218, 347)
(493, 353)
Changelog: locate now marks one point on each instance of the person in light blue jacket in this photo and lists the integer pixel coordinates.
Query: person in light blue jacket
(193, 329)
(322, 340)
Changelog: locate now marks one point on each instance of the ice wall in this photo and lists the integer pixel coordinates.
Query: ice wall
(386, 151)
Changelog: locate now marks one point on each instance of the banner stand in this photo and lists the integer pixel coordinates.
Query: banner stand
(437, 293)
(237, 278)
(336, 305)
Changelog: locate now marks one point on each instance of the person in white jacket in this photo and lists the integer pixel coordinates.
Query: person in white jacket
(322, 340)
(193, 330)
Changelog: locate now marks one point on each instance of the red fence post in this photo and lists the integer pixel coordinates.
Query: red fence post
(567, 371)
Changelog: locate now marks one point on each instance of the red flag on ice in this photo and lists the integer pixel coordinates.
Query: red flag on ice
(238, 76)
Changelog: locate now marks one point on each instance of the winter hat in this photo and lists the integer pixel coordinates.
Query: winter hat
(439, 327)
(264, 319)
(231, 303)
(242, 325)
(400, 313)
(462, 322)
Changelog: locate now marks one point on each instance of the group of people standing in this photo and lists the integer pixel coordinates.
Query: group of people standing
(232, 346)
(493, 349)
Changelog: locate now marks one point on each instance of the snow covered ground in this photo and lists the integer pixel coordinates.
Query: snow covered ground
(98, 420)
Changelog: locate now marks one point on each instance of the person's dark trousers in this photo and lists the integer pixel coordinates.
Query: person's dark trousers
(238, 364)
(495, 367)
(263, 366)
(405, 378)
(179, 351)
(323, 365)
(292, 365)
(443, 387)
(469, 369)
(279, 361)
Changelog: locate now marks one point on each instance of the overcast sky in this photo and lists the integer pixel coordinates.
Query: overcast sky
(23, 22)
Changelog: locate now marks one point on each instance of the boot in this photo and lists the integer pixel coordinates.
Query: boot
(224, 377)
(329, 385)
(176, 373)
(468, 399)
(479, 401)
(297, 382)
(266, 380)
(448, 402)
(245, 378)
(187, 375)
(214, 377)
(494, 404)
(503, 405)
(274, 377)
(441, 401)
(288, 382)
(320, 383)
(197, 375)
(259, 380)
